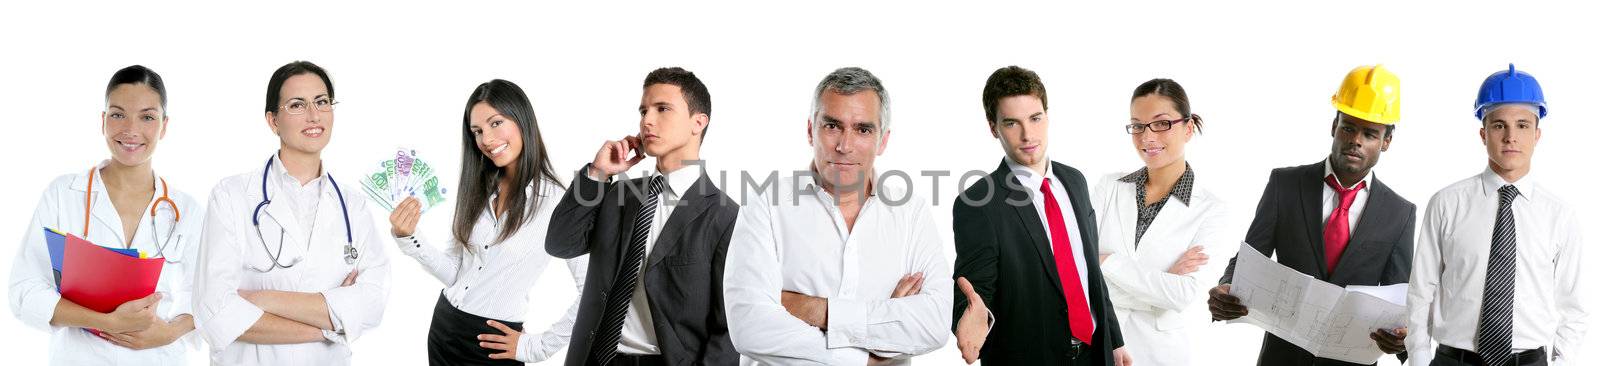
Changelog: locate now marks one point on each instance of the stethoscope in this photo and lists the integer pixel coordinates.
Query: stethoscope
(155, 237)
(350, 252)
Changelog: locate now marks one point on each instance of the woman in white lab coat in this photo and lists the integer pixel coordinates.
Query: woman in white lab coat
(121, 204)
(496, 252)
(292, 269)
(1156, 226)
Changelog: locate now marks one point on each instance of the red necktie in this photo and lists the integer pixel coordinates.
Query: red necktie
(1078, 317)
(1336, 233)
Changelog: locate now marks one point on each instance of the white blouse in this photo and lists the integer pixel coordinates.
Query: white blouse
(494, 279)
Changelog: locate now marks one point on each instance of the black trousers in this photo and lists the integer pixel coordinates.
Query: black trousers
(1451, 356)
(453, 337)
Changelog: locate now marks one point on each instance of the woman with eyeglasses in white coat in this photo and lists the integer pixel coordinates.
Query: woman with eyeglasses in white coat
(292, 267)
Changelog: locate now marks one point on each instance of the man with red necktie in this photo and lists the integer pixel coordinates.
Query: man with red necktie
(1026, 253)
(1333, 219)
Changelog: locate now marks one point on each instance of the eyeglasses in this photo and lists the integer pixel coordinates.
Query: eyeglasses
(299, 106)
(1154, 126)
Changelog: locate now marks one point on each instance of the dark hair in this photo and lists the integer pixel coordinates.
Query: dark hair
(137, 74)
(479, 176)
(292, 69)
(694, 92)
(1011, 81)
(1388, 130)
(1166, 88)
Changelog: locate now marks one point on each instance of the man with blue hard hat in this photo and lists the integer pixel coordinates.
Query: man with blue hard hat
(1496, 239)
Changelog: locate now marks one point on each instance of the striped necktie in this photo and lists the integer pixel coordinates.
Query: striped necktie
(1499, 285)
(604, 347)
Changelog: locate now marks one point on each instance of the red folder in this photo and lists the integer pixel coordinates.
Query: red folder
(101, 279)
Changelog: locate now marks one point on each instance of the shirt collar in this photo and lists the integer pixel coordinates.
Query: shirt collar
(1327, 170)
(1183, 189)
(1026, 173)
(679, 181)
(1491, 183)
(282, 176)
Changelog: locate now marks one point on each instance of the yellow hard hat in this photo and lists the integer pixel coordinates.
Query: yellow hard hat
(1370, 93)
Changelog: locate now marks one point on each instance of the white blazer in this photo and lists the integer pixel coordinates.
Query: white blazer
(1149, 301)
(33, 292)
(233, 257)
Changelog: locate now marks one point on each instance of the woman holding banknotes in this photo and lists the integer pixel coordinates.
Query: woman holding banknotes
(120, 204)
(496, 248)
(291, 267)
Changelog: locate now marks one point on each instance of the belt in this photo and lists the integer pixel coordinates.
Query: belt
(628, 359)
(1075, 348)
(1520, 358)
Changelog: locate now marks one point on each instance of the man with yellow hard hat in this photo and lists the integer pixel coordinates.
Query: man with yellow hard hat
(1332, 219)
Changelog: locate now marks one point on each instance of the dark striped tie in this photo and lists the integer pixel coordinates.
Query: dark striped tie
(604, 347)
(1499, 284)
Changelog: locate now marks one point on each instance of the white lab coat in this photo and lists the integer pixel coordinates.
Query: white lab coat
(33, 292)
(1149, 301)
(233, 258)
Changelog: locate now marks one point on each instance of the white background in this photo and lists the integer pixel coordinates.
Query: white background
(1260, 72)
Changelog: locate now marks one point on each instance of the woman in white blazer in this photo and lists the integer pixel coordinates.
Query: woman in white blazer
(119, 204)
(1156, 225)
(292, 269)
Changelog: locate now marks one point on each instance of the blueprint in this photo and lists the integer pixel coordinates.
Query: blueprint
(1323, 318)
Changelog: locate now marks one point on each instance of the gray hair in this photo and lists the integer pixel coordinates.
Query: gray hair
(848, 81)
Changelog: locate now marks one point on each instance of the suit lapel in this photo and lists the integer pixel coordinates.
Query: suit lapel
(1311, 212)
(694, 201)
(1029, 217)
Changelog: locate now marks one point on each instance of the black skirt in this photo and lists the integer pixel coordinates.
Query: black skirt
(453, 337)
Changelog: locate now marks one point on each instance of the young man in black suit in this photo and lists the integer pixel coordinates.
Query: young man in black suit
(656, 245)
(1026, 255)
(1332, 219)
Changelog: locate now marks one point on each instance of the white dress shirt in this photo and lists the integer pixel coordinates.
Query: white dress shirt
(1033, 181)
(33, 291)
(638, 337)
(785, 241)
(1452, 256)
(494, 279)
(1330, 197)
(1149, 301)
(234, 257)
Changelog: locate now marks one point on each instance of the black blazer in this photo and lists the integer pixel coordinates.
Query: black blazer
(1001, 247)
(683, 280)
(1288, 222)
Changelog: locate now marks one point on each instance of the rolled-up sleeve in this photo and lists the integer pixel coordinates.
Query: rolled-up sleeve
(758, 325)
(220, 315)
(359, 307)
(33, 294)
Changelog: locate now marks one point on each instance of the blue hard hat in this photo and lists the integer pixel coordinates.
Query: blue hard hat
(1509, 86)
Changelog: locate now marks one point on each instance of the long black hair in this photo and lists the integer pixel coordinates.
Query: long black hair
(479, 176)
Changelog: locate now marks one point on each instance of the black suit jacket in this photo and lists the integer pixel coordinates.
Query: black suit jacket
(1288, 222)
(683, 277)
(1001, 247)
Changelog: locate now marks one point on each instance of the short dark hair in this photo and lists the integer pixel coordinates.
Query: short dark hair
(1166, 88)
(137, 74)
(292, 69)
(694, 91)
(1011, 81)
